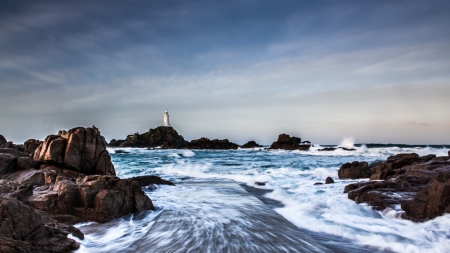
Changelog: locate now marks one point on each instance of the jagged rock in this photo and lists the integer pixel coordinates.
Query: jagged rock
(81, 149)
(329, 180)
(8, 164)
(153, 138)
(30, 145)
(289, 143)
(421, 185)
(2, 140)
(22, 230)
(205, 143)
(354, 170)
(251, 144)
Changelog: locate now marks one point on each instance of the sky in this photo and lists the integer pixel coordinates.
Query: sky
(243, 70)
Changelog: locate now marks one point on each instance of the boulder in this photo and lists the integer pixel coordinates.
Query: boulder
(8, 163)
(148, 180)
(329, 180)
(354, 170)
(289, 143)
(205, 143)
(2, 140)
(8, 144)
(81, 149)
(23, 230)
(115, 143)
(24, 163)
(30, 145)
(251, 144)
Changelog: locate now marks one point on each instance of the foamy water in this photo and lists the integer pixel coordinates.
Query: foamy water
(291, 175)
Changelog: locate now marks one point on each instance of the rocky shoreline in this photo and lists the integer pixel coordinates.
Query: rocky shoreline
(420, 185)
(46, 187)
(168, 138)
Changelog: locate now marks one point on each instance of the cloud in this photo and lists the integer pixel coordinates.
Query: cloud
(413, 122)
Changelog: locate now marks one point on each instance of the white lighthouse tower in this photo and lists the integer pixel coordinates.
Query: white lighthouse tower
(166, 122)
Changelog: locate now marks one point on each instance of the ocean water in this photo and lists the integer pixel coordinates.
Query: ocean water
(290, 175)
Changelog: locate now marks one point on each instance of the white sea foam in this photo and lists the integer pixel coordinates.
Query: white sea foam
(291, 175)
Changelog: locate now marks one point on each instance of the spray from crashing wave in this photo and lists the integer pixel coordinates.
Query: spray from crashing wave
(348, 142)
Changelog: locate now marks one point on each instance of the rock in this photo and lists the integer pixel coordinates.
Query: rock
(8, 144)
(148, 180)
(8, 164)
(22, 230)
(421, 185)
(2, 140)
(260, 183)
(251, 144)
(81, 149)
(153, 138)
(318, 183)
(327, 149)
(30, 145)
(24, 163)
(289, 143)
(329, 180)
(12, 151)
(205, 143)
(115, 143)
(354, 170)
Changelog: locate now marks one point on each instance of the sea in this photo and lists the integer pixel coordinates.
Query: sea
(289, 178)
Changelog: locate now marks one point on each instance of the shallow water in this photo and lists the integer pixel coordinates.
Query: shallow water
(320, 209)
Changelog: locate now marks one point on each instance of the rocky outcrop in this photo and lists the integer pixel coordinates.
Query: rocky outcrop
(251, 144)
(31, 145)
(205, 143)
(23, 230)
(159, 136)
(354, 170)
(69, 179)
(289, 143)
(333, 149)
(421, 185)
(80, 149)
(2, 140)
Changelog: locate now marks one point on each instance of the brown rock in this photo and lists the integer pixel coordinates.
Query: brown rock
(353, 170)
(25, 163)
(30, 145)
(8, 164)
(329, 180)
(147, 180)
(251, 144)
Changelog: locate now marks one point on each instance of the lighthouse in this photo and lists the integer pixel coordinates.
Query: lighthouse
(166, 122)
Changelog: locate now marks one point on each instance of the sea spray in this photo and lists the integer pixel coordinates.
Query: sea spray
(291, 175)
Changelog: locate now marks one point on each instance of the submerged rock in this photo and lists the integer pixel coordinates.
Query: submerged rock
(329, 180)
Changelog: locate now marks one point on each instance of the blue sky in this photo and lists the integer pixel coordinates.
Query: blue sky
(242, 70)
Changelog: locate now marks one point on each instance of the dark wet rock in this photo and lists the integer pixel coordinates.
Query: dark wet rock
(289, 143)
(318, 183)
(205, 143)
(329, 180)
(354, 170)
(260, 183)
(115, 143)
(2, 140)
(153, 138)
(333, 149)
(120, 151)
(8, 163)
(8, 144)
(150, 180)
(251, 144)
(24, 230)
(327, 149)
(421, 185)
